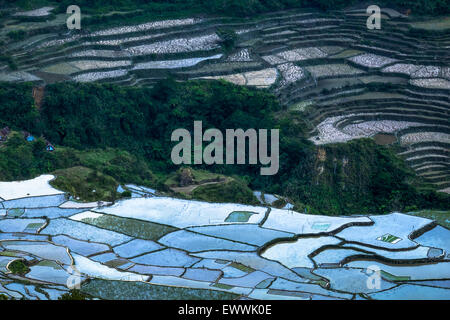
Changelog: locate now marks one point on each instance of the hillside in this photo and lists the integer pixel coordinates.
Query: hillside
(346, 81)
(93, 205)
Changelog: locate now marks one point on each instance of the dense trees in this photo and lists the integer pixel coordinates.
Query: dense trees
(87, 119)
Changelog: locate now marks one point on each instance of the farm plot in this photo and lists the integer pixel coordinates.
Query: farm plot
(438, 237)
(352, 280)
(303, 247)
(136, 247)
(29, 188)
(372, 60)
(194, 242)
(95, 76)
(261, 79)
(173, 64)
(413, 292)
(332, 70)
(431, 83)
(298, 223)
(432, 271)
(83, 231)
(180, 213)
(386, 227)
(274, 54)
(121, 290)
(248, 233)
(200, 43)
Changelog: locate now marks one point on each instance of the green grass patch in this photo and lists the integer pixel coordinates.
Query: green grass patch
(439, 24)
(198, 176)
(239, 216)
(49, 264)
(15, 213)
(234, 191)
(127, 290)
(131, 227)
(17, 35)
(18, 267)
(241, 267)
(9, 61)
(8, 253)
(389, 238)
(222, 286)
(264, 284)
(391, 277)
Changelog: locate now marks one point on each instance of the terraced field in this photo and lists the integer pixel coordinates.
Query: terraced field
(155, 247)
(349, 81)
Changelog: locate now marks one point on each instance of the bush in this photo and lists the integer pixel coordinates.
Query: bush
(16, 35)
(9, 61)
(18, 267)
(126, 194)
(228, 37)
(74, 294)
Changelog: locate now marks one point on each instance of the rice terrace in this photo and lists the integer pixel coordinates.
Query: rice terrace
(92, 206)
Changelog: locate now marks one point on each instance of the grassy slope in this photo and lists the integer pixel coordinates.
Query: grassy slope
(101, 14)
(441, 217)
(86, 184)
(97, 123)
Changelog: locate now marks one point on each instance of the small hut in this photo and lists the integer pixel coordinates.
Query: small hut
(49, 147)
(28, 136)
(4, 133)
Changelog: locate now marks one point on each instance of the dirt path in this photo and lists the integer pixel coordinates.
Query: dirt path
(188, 189)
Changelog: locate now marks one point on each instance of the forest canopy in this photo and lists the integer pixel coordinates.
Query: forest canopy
(241, 8)
(353, 178)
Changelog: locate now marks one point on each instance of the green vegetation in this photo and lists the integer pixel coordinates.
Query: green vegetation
(73, 294)
(389, 238)
(222, 286)
(126, 194)
(241, 267)
(17, 35)
(18, 267)
(390, 277)
(240, 8)
(8, 253)
(132, 227)
(123, 290)
(86, 184)
(124, 133)
(441, 217)
(9, 61)
(102, 14)
(77, 172)
(280, 203)
(233, 191)
(239, 216)
(188, 176)
(228, 37)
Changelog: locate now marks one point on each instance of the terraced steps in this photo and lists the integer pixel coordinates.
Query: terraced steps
(323, 65)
